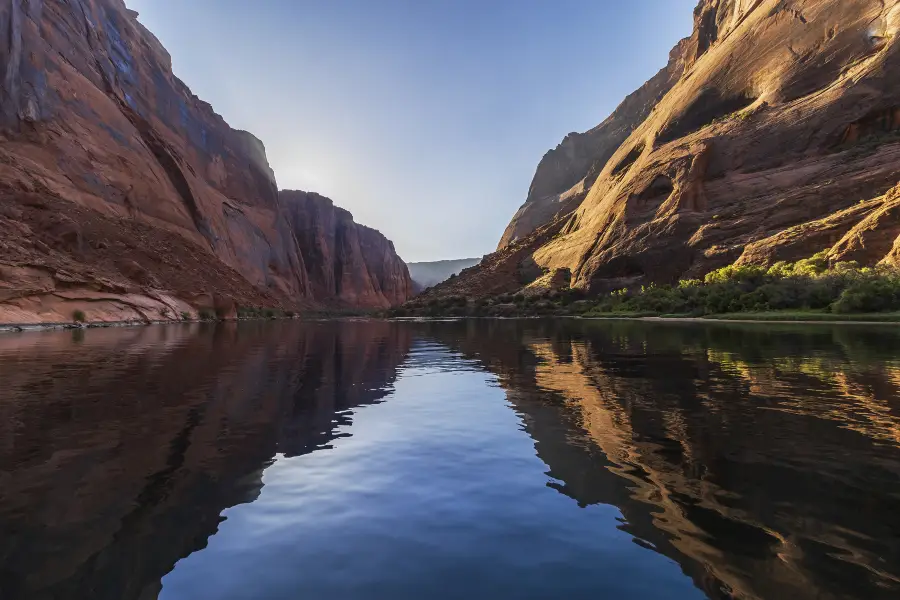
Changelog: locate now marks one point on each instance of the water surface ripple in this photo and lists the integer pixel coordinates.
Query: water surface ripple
(479, 459)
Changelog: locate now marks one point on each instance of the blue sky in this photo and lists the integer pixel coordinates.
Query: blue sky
(425, 118)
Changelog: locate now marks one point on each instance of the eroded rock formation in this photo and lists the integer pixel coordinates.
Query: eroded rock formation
(347, 264)
(565, 174)
(130, 185)
(772, 134)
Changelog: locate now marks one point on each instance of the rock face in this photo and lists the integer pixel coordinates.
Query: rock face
(347, 264)
(773, 133)
(565, 174)
(96, 128)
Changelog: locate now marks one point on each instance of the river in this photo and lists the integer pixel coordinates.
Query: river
(471, 459)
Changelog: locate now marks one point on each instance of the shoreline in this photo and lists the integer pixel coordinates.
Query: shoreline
(62, 326)
(749, 320)
(70, 326)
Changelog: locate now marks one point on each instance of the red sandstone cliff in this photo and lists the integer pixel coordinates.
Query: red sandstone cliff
(772, 134)
(122, 192)
(347, 264)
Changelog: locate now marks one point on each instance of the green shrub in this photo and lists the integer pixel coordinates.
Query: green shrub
(206, 314)
(808, 284)
(185, 316)
(870, 294)
(811, 284)
(732, 273)
(78, 316)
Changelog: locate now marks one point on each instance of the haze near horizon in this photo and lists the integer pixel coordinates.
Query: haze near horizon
(425, 119)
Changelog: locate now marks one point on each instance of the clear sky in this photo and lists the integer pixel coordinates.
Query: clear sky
(425, 118)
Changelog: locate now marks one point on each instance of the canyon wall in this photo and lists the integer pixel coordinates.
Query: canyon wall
(118, 185)
(773, 134)
(347, 264)
(566, 173)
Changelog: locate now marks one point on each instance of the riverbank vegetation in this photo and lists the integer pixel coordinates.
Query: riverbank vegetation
(810, 289)
(809, 285)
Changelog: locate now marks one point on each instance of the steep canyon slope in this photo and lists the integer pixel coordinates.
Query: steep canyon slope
(124, 194)
(773, 133)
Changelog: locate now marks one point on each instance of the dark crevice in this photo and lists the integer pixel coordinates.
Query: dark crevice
(879, 126)
(707, 31)
(619, 267)
(165, 156)
(710, 106)
(9, 89)
(338, 264)
(167, 159)
(642, 207)
(629, 159)
(660, 186)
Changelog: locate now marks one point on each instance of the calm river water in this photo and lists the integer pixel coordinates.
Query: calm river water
(477, 459)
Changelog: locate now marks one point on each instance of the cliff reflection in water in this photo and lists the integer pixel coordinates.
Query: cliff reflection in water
(764, 459)
(119, 449)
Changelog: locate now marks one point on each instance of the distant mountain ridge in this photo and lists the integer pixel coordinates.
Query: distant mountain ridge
(427, 274)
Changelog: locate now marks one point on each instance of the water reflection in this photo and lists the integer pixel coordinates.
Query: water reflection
(764, 460)
(120, 450)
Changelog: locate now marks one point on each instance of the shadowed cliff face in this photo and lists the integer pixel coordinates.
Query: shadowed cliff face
(771, 135)
(100, 496)
(100, 136)
(347, 264)
(764, 463)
